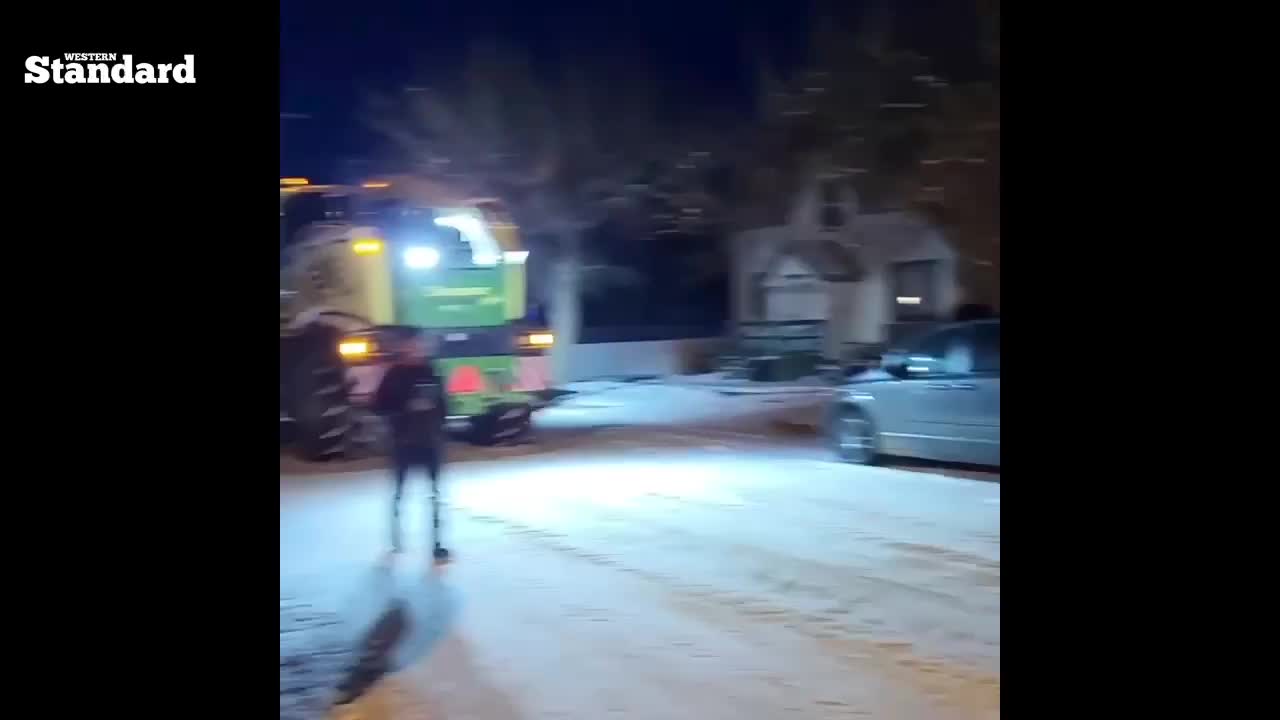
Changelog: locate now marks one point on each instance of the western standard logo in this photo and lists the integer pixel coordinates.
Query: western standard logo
(110, 68)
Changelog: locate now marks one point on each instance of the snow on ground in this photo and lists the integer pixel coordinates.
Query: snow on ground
(657, 554)
(671, 402)
(739, 522)
(718, 381)
(694, 583)
(617, 413)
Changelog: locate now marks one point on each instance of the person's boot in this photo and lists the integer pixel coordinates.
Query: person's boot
(397, 548)
(441, 554)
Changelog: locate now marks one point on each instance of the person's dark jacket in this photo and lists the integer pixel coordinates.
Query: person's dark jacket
(413, 399)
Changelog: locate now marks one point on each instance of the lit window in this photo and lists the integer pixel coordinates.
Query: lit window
(914, 292)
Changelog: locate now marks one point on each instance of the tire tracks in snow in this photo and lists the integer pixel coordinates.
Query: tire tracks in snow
(953, 685)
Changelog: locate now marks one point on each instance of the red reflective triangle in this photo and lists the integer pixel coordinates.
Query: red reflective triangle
(465, 380)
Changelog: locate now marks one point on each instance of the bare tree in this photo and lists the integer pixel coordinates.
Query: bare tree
(855, 110)
(959, 184)
(563, 154)
(905, 137)
(958, 178)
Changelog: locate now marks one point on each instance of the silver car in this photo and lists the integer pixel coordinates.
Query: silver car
(938, 399)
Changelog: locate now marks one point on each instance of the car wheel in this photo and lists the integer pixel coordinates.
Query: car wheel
(853, 437)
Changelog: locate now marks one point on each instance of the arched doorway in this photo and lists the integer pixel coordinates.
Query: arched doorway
(794, 291)
(810, 282)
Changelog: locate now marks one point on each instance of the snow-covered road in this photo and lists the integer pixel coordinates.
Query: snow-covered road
(661, 552)
(631, 581)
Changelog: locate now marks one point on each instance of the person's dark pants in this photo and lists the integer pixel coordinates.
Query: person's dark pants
(403, 460)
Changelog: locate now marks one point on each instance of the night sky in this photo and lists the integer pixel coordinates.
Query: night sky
(333, 54)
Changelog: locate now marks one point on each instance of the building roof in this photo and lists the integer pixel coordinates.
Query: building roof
(770, 195)
(884, 238)
(871, 241)
(832, 261)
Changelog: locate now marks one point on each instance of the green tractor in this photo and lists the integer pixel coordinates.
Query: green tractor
(359, 263)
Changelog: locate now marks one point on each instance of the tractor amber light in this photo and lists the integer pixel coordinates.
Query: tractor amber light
(294, 181)
(367, 247)
(353, 348)
(542, 339)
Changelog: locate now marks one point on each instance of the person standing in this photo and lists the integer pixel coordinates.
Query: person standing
(413, 400)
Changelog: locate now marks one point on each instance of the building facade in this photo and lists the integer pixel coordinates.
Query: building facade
(856, 273)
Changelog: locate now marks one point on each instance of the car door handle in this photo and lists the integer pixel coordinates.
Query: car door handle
(964, 386)
(938, 386)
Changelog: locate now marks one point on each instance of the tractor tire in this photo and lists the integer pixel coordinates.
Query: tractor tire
(370, 436)
(323, 416)
(505, 424)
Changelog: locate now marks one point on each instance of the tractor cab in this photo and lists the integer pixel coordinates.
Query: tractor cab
(359, 260)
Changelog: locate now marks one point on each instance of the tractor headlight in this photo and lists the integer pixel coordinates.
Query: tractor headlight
(367, 246)
(355, 348)
(421, 257)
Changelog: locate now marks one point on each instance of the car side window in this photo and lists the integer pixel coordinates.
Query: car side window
(987, 348)
(933, 345)
(950, 351)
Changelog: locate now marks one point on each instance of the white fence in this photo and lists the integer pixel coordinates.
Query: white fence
(657, 357)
